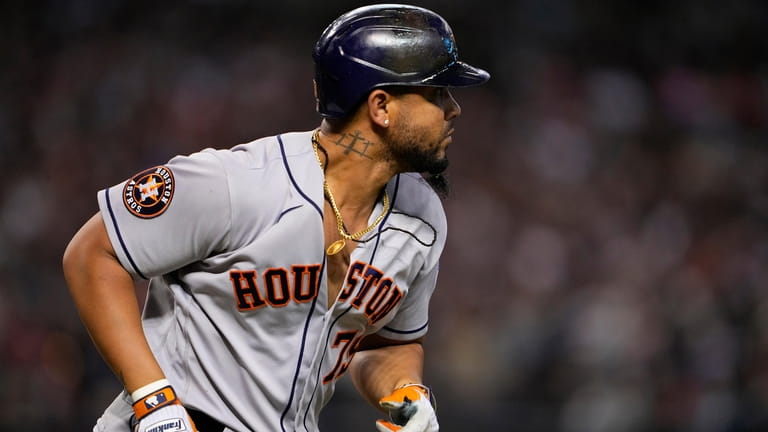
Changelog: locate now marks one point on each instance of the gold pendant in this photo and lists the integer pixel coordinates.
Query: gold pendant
(336, 247)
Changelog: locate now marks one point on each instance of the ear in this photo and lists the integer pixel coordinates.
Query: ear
(379, 107)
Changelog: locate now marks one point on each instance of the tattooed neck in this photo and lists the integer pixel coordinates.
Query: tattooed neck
(354, 143)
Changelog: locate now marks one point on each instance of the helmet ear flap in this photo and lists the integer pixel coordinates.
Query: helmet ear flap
(385, 45)
(331, 96)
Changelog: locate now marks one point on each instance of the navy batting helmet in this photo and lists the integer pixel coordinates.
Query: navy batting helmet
(381, 45)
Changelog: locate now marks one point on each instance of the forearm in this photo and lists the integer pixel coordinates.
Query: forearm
(104, 295)
(377, 372)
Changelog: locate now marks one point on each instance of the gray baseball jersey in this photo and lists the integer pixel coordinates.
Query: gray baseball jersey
(237, 310)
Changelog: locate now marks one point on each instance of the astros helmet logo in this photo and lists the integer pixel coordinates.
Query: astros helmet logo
(149, 192)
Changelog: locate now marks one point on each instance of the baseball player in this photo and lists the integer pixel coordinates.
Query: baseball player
(278, 265)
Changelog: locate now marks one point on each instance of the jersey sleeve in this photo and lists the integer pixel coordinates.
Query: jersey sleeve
(412, 318)
(168, 216)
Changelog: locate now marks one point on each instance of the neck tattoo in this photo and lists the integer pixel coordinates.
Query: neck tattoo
(339, 244)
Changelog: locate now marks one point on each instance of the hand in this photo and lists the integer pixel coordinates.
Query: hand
(161, 411)
(411, 410)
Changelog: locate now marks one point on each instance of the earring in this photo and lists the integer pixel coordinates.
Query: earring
(386, 122)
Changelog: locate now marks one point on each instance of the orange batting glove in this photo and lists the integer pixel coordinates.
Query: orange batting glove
(410, 409)
(160, 410)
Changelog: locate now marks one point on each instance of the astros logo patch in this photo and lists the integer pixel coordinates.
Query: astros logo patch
(149, 192)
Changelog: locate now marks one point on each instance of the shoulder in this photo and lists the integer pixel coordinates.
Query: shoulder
(417, 225)
(414, 196)
(260, 154)
(264, 150)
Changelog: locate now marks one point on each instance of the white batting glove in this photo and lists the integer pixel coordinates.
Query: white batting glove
(160, 411)
(410, 409)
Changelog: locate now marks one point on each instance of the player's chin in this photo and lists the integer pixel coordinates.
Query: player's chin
(439, 164)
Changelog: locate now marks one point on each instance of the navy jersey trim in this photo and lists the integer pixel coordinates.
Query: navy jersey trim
(293, 180)
(330, 328)
(286, 211)
(390, 329)
(301, 356)
(386, 218)
(314, 302)
(120, 235)
(397, 184)
(320, 365)
(383, 228)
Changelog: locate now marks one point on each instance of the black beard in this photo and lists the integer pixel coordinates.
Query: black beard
(413, 158)
(439, 183)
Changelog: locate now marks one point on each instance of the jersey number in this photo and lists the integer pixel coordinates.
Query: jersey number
(348, 340)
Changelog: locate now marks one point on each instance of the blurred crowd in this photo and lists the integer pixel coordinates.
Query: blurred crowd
(607, 261)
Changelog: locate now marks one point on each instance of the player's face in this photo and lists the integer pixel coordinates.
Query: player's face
(424, 127)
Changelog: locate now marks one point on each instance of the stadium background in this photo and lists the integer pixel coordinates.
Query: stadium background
(607, 263)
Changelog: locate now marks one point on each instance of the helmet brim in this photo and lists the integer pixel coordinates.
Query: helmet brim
(458, 74)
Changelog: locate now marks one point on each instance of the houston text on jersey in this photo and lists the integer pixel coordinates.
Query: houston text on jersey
(375, 295)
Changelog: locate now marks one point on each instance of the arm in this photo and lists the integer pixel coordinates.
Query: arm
(388, 374)
(104, 294)
(380, 365)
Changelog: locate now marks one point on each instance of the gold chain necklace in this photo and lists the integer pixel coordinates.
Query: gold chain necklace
(339, 244)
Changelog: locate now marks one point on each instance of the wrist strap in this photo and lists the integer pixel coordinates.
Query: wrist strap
(420, 387)
(426, 391)
(143, 391)
(155, 400)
